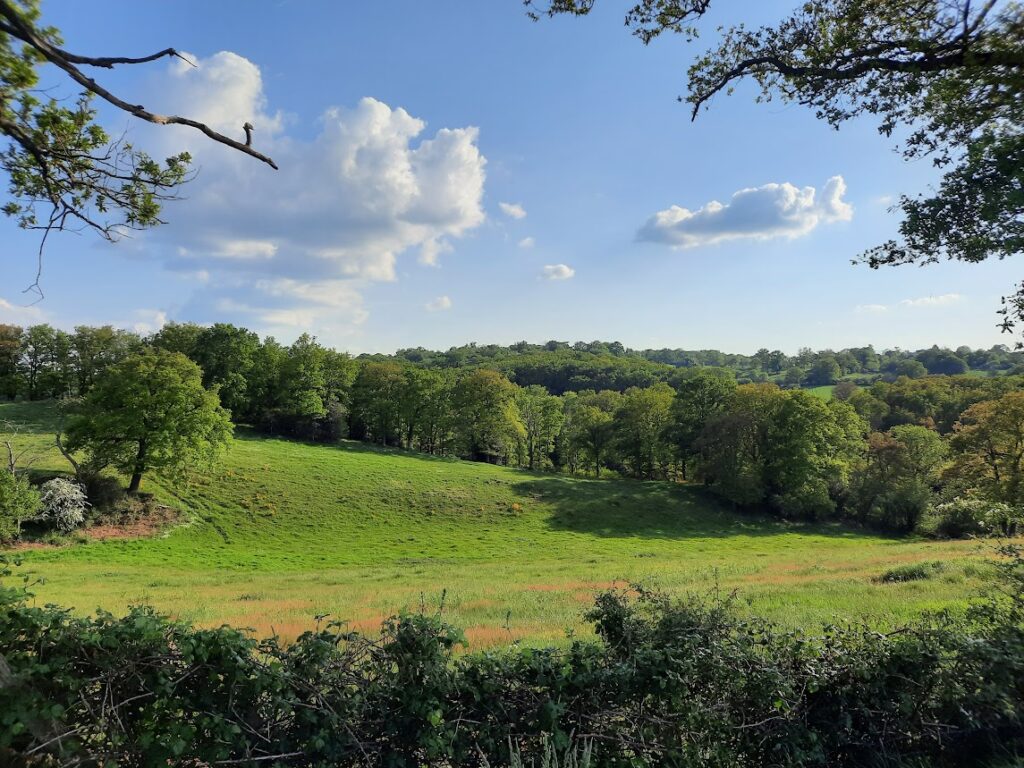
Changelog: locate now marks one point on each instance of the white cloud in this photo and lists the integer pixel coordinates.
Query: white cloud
(149, 320)
(243, 249)
(760, 213)
(431, 251)
(513, 210)
(870, 309)
(944, 300)
(373, 185)
(439, 304)
(19, 314)
(557, 272)
(527, 242)
(925, 302)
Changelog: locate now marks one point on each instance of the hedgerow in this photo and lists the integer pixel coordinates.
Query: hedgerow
(667, 682)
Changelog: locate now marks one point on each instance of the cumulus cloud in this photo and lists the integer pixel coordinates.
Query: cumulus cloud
(149, 320)
(439, 304)
(527, 242)
(759, 213)
(944, 300)
(294, 248)
(513, 210)
(557, 272)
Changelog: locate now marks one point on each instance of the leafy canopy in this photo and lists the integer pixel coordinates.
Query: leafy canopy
(150, 412)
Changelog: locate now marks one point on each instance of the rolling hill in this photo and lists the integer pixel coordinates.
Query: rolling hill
(282, 532)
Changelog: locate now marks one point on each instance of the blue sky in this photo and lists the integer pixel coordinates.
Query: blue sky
(401, 129)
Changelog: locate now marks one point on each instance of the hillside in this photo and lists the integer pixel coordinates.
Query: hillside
(283, 531)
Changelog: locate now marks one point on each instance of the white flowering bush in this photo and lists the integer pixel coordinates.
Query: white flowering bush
(963, 517)
(64, 504)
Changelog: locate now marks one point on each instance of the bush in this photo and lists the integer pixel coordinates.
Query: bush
(966, 516)
(680, 683)
(18, 501)
(901, 506)
(64, 504)
(912, 572)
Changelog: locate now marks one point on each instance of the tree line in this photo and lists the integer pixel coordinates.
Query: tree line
(888, 454)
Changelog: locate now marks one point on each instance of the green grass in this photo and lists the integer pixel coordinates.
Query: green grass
(282, 531)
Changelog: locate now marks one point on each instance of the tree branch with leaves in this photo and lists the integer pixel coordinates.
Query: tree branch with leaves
(64, 170)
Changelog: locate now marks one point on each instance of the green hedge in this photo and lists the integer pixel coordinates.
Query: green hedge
(667, 683)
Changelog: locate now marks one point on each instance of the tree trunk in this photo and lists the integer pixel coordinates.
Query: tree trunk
(140, 467)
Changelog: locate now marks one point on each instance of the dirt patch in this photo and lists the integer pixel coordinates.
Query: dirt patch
(151, 524)
(155, 521)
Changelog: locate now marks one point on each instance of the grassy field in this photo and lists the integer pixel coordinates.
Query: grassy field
(281, 532)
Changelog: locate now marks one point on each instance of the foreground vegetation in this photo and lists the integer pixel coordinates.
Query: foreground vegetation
(669, 683)
(283, 531)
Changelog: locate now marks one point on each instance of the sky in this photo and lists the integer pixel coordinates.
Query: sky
(454, 172)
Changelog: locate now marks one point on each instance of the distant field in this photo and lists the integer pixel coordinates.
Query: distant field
(283, 531)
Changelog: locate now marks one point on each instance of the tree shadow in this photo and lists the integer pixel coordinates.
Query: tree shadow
(659, 510)
(32, 417)
(344, 445)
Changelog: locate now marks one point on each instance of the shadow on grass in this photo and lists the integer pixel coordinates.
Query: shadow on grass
(657, 510)
(35, 417)
(345, 446)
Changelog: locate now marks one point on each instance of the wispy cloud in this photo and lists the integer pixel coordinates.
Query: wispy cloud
(440, 304)
(527, 242)
(557, 272)
(924, 302)
(513, 210)
(871, 309)
(944, 300)
(759, 213)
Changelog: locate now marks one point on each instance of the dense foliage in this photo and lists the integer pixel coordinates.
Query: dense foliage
(148, 411)
(685, 683)
(899, 436)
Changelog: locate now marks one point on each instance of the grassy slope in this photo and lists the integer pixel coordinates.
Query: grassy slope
(283, 531)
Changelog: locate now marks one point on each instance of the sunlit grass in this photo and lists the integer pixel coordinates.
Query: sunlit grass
(282, 532)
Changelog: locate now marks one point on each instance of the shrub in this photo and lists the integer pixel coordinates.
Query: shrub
(912, 572)
(680, 683)
(18, 501)
(965, 516)
(901, 506)
(64, 504)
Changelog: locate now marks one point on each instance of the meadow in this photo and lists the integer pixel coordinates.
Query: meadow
(282, 532)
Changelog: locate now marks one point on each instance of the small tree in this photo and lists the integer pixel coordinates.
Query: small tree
(150, 412)
(18, 501)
